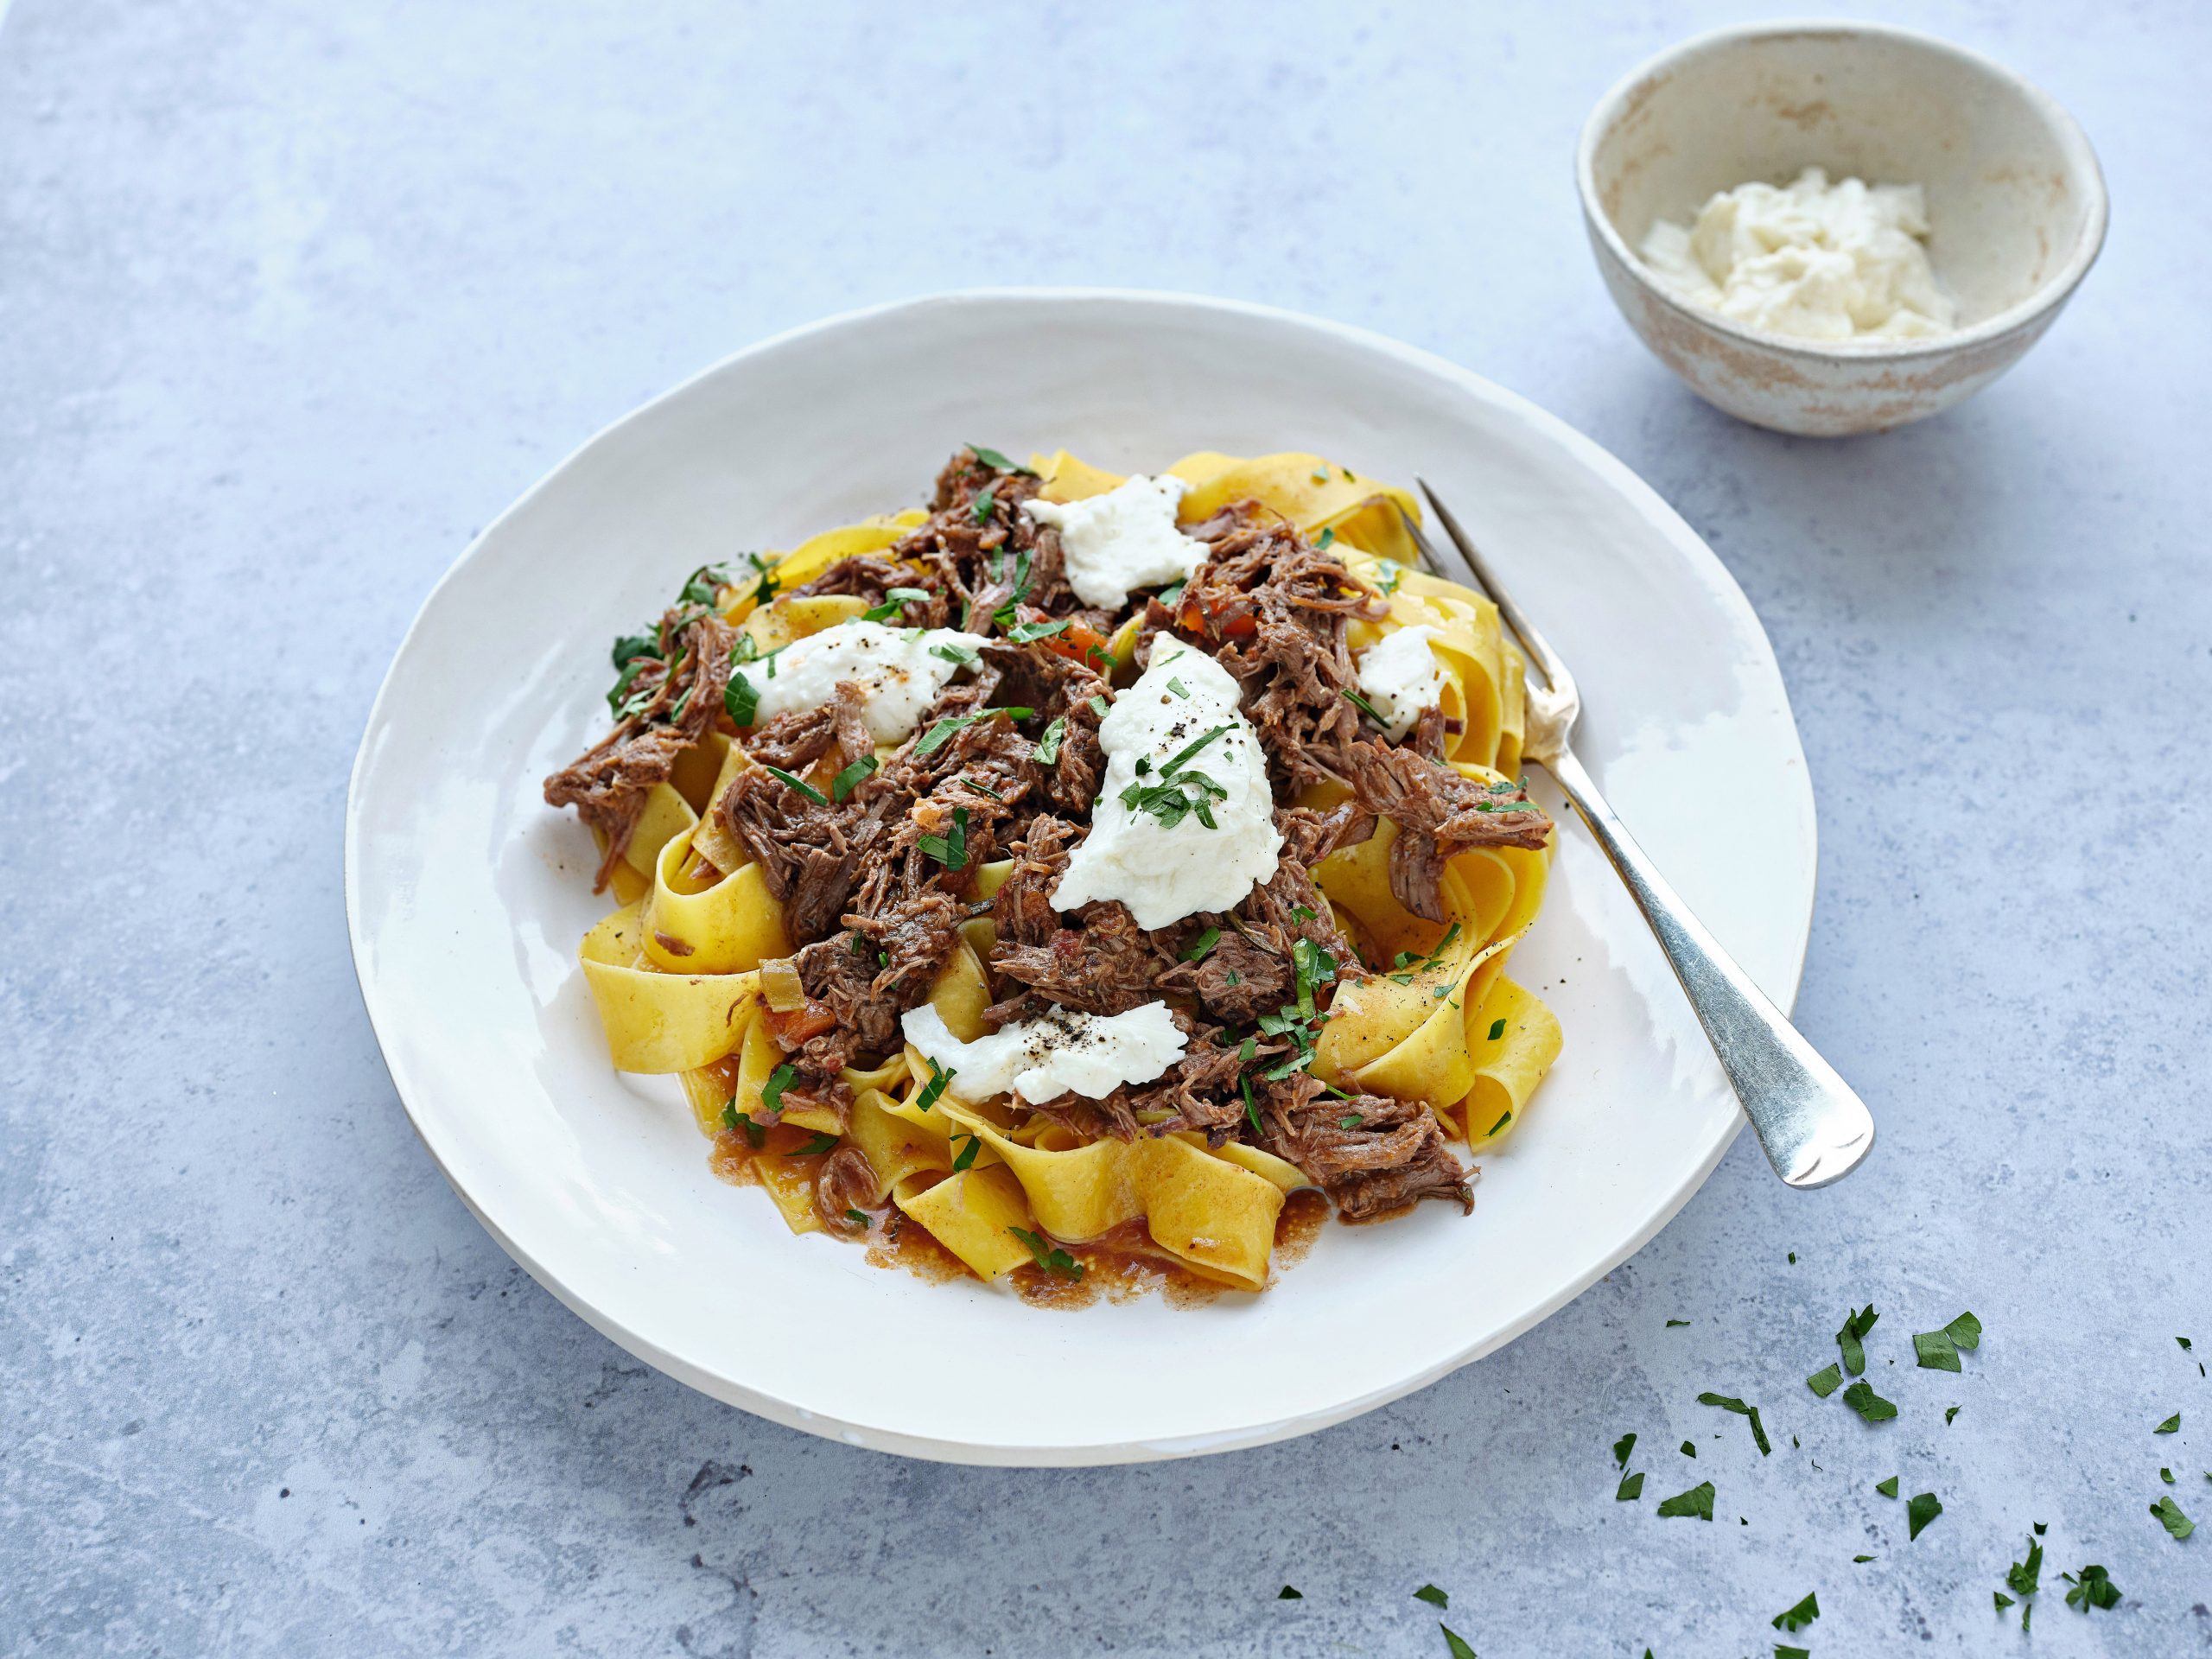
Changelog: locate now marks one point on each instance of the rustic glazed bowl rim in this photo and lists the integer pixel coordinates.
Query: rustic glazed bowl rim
(2052, 293)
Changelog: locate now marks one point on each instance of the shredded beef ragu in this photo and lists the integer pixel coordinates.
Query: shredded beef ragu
(873, 917)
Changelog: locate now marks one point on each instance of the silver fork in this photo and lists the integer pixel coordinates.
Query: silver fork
(1814, 1129)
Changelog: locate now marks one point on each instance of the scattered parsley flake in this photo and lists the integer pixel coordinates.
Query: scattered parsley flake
(1862, 1399)
(792, 780)
(1453, 1646)
(859, 1216)
(850, 778)
(1029, 633)
(1052, 1259)
(967, 1157)
(1689, 1448)
(1698, 1502)
(1098, 707)
(998, 462)
(1351, 1120)
(2166, 1475)
(1671, 1323)
(1939, 1350)
(1887, 1488)
(951, 850)
(820, 1144)
(2170, 1518)
(1826, 1381)
(1047, 751)
(964, 656)
(1725, 1403)
(2184, 1343)
(936, 737)
(1497, 1029)
(2172, 1425)
(1491, 1132)
(1179, 688)
(1196, 950)
(1950, 1413)
(1850, 1339)
(1796, 1619)
(1919, 1510)
(1432, 1596)
(1781, 1651)
(1861, 1561)
(1363, 706)
(1327, 539)
(1621, 1447)
(1284, 1594)
(2093, 1588)
(1251, 1106)
(771, 1092)
(1630, 1488)
(895, 600)
(1395, 574)
(934, 1089)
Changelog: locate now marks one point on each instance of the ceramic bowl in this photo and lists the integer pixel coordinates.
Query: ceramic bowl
(2015, 201)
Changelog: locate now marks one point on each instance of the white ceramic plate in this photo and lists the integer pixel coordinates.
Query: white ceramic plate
(466, 895)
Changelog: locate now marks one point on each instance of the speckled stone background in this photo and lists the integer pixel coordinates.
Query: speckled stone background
(295, 296)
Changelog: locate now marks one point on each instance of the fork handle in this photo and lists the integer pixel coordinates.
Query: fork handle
(1814, 1129)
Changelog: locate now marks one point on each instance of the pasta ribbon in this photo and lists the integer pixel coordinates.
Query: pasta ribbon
(659, 1022)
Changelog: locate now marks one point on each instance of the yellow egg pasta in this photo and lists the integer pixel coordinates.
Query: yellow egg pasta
(785, 1007)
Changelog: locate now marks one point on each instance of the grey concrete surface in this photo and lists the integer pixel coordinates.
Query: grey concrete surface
(294, 297)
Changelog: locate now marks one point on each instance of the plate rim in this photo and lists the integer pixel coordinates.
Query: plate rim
(789, 1413)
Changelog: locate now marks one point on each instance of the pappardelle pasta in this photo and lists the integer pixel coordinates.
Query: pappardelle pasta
(1079, 858)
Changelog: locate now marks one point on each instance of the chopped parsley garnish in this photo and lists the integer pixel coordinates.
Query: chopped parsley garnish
(1251, 1106)
(755, 1135)
(1098, 707)
(1630, 1488)
(1052, 1259)
(981, 506)
(1671, 1323)
(934, 1087)
(771, 1092)
(1950, 1414)
(980, 789)
(729, 1113)
(1286, 1593)
(1861, 1398)
(1919, 1510)
(967, 1152)
(1030, 632)
(1887, 1488)
(963, 655)
(951, 850)
(740, 699)
(1850, 1339)
(820, 1143)
(2172, 1426)
(1500, 1124)
(765, 589)
(2166, 1475)
(1395, 574)
(858, 1217)
(895, 601)
(936, 737)
(1174, 590)
(1796, 1619)
(1320, 474)
(1688, 1448)
(998, 462)
(1497, 1029)
(1351, 1120)
(1178, 792)
(617, 697)
(1316, 968)
(1698, 1501)
(2171, 1518)
(2023, 1578)
(1179, 688)
(2183, 1340)
(1825, 1382)
(1759, 1429)
(1363, 706)
(1939, 1350)
(850, 778)
(1432, 1596)
(1196, 950)
(1047, 751)
(792, 780)
(1453, 1645)
(2093, 1588)
(702, 584)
